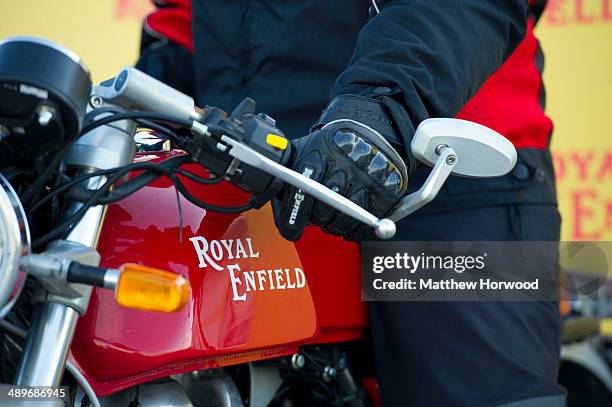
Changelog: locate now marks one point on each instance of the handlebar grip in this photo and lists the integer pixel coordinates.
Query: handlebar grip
(135, 90)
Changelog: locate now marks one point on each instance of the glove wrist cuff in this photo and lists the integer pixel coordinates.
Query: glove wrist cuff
(367, 111)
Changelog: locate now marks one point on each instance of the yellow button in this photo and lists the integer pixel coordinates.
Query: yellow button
(605, 327)
(277, 141)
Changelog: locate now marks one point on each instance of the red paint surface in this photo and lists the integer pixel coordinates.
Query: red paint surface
(370, 384)
(116, 347)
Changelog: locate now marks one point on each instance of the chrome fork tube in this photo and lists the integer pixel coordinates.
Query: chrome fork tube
(86, 231)
(47, 345)
(44, 355)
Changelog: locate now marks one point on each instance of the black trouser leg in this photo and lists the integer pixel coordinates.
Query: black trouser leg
(471, 353)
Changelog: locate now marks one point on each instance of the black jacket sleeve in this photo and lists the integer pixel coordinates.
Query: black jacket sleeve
(427, 58)
(166, 61)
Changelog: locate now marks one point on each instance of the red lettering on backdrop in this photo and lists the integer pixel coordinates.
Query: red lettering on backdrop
(581, 16)
(136, 9)
(582, 162)
(559, 163)
(607, 10)
(606, 166)
(565, 12)
(582, 214)
(609, 216)
(555, 12)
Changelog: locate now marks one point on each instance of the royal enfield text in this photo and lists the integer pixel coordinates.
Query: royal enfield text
(219, 254)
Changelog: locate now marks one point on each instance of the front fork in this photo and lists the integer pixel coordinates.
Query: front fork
(46, 350)
(56, 313)
(58, 306)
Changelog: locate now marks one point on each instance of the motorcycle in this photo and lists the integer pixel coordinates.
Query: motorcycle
(158, 277)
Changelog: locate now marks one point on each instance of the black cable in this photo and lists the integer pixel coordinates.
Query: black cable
(211, 207)
(139, 166)
(59, 230)
(69, 185)
(180, 211)
(96, 194)
(153, 116)
(164, 131)
(119, 192)
(205, 205)
(70, 224)
(127, 188)
(116, 175)
(144, 117)
(136, 116)
(91, 116)
(39, 182)
(81, 178)
(197, 178)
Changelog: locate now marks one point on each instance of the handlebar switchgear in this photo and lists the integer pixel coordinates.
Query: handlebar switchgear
(259, 132)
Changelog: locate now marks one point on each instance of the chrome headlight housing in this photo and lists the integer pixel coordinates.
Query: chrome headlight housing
(14, 244)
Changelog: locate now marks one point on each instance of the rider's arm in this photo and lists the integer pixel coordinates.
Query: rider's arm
(431, 57)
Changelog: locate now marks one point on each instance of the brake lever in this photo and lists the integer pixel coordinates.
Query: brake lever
(384, 228)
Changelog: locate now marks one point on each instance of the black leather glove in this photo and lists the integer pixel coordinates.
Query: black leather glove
(356, 160)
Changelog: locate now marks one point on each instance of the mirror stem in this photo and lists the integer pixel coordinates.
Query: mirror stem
(442, 169)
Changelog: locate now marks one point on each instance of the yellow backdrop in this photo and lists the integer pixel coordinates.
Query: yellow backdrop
(577, 40)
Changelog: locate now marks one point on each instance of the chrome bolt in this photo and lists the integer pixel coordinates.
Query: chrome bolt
(297, 361)
(451, 160)
(329, 373)
(45, 114)
(439, 148)
(96, 101)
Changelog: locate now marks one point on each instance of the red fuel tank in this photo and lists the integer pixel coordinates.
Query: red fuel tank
(254, 295)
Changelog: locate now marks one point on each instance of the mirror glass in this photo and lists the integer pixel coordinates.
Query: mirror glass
(481, 152)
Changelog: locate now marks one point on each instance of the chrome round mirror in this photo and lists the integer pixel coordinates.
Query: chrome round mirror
(481, 151)
(14, 244)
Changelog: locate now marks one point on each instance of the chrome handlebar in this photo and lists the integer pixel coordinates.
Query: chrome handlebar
(133, 89)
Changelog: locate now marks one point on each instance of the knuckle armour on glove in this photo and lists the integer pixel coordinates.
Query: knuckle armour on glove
(351, 159)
